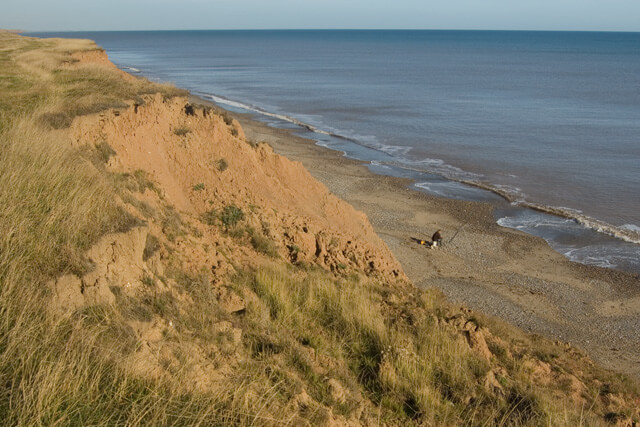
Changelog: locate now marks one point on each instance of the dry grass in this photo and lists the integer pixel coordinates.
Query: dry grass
(53, 206)
(44, 75)
(302, 327)
(414, 371)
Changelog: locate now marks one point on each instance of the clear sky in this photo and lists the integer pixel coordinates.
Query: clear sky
(82, 15)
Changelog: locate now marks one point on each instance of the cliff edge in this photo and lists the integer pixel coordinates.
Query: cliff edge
(159, 268)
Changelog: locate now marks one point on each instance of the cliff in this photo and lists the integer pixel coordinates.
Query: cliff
(159, 268)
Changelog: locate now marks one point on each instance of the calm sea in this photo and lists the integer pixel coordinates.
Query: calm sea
(546, 119)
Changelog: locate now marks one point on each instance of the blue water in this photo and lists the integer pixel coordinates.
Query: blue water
(547, 118)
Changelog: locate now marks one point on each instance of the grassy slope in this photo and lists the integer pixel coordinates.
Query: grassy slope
(314, 346)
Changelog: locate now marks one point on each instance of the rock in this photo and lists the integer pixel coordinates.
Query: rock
(478, 343)
(230, 301)
(67, 293)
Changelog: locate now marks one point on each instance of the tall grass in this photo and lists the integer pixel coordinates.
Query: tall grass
(411, 368)
(303, 330)
(57, 370)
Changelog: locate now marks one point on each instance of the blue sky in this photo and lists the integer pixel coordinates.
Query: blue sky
(82, 15)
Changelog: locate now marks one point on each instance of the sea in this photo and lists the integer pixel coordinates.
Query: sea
(545, 125)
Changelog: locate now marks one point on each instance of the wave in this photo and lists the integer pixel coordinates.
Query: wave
(622, 233)
(283, 117)
(628, 232)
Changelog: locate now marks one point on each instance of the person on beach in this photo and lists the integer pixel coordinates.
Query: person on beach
(436, 238)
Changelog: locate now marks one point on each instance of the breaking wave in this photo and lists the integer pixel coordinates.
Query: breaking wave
(311, 128)
(628, 232)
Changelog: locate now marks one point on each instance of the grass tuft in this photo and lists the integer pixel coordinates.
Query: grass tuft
(231, 215)
(181, 131)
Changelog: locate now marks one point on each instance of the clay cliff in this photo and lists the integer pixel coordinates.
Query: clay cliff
(228, 286)
(202, 163)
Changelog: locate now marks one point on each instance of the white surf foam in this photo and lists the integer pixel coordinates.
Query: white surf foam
(278, 116)
(628, 233)
(631, 227)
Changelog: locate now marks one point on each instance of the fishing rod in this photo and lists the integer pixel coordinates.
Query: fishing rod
(454, 236)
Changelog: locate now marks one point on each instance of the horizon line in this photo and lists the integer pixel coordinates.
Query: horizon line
(326, 29)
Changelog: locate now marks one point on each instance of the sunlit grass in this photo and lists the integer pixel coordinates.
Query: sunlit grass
(312, 346)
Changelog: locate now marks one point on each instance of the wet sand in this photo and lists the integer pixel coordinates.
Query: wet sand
(498, 271)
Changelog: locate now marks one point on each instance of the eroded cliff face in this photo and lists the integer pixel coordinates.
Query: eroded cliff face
(185, 173)
(202, 163)
(209, 205)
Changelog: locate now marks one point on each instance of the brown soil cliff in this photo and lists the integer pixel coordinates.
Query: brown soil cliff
(242, 276)
(202, 164)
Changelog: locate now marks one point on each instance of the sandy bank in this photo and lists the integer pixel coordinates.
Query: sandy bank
(495, 270)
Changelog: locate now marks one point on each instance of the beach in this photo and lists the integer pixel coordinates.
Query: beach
(218, 282)
(494, 270)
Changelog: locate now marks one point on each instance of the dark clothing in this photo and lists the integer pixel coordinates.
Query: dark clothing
(437, 237)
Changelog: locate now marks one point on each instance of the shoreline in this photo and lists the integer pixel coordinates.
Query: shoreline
(514, 198)
(498, 271)
(219, 282)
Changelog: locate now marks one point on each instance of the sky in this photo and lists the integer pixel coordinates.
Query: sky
(86, 15)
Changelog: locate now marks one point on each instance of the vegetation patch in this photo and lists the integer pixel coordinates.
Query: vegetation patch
(222, 165)
(231, 215)
(181, 131)
(209, 217)
(262, 244)
(298, 345)
(105, 152)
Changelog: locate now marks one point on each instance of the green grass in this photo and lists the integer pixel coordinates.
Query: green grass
(396, 363)
(262, 243)
(231, 215)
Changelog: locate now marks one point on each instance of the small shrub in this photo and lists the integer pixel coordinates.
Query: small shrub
(222, 165)
(144, 208)
(209, 217)
(198, 187)
(162, 304)
(263, 244)
(227, 118)
(231, 214)
(181, 131)
(172, 225)
(137, 182)
(104, 151)
(237, 232)
(143, 181)
(148, 281)
(151, 246)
